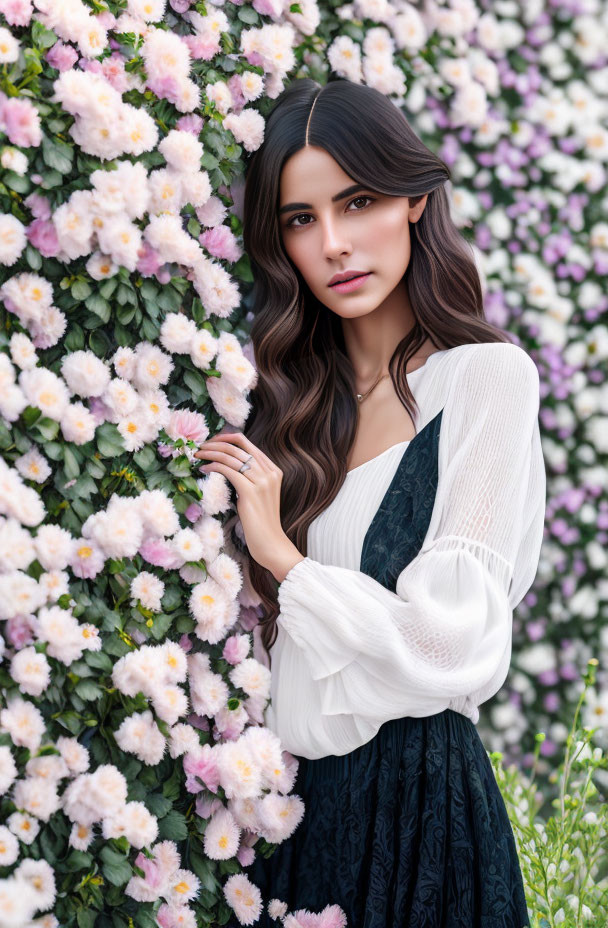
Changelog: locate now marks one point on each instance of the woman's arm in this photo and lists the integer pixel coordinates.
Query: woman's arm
(446, 631)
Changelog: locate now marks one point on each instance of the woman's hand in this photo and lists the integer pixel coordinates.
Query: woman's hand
(258, 490)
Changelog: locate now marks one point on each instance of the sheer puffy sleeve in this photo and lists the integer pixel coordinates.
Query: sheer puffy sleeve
(446, 631)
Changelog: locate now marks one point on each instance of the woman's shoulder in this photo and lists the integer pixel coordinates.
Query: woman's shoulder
(498, 363)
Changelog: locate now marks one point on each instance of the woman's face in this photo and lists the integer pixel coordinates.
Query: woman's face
(327, 228)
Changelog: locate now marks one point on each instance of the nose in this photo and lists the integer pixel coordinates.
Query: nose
(334, 239)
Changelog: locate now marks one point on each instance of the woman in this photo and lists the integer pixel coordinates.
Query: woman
(391, 481)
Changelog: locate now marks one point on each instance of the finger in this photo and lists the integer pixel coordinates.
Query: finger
(238, 481)
(243, 442)
(222, 457)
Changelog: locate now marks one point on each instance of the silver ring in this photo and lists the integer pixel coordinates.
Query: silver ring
(245, 466)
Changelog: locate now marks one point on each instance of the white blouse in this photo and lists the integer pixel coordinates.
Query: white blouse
(350, 654)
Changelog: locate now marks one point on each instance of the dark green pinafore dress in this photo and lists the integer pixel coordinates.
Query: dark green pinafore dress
(409, 830)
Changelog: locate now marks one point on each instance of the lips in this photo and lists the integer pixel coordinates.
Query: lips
(343, 280)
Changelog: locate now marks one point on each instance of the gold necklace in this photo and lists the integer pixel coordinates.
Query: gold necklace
(361, 396)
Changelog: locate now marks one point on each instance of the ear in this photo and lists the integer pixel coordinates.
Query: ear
(417, 209)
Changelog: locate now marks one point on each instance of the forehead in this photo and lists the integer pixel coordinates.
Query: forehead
(311, 172)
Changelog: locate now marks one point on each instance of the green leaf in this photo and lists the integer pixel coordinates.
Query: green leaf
(70, 463)
(108, 287)
(109, 440)
(97, 304)
(116, 868)
(146, 458)
(158, 805)
(173, 826)
(86, 917)
(88, 690)
(33, 258)
(41, 36)
(46, 429)
(77, 860)
(80, 290)
(16, 182)
(196, 383)
(57, 155)
(98, 660)
(160, 626)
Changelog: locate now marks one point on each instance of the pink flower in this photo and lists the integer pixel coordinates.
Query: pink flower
(61, 56)
(149, 260)
(236, 649)
(193, 512)
(191, 122)
(114, 71)
(153, 873)
(221, 242)
(207, 806)
(163, 275)
(166, 916)
(17, 12)
(39, 206)
(185, 643)
(158, 552)
(22, 122)
(165, 451)
(234, 85)
(187, 424)
(99, 410)
(201, 47)
(203, 766)
(18, 631)
(165, 88)
(42, 235)
(245, 856)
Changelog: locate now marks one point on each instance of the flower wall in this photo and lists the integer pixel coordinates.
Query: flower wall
(137, 780)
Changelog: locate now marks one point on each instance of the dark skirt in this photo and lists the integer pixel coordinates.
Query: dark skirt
(407, 831)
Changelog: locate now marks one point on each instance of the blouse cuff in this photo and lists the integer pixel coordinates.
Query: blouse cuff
(303, 598)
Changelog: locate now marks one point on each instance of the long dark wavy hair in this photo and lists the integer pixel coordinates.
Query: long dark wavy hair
(304, 413)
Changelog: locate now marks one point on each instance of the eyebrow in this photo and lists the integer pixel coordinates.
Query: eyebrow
(339, 196)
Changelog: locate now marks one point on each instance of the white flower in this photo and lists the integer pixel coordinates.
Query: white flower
(31, 671)
(139, 734)
(8, 769)
(181, 150)
(45, 390)
(78, 424)
(124, 362)
(9, 847)
(148, 589)
(222, 836)
(54, 546)
(182, 739)
(24, 723)
(24, 825)
(177, 333)
(14, 160)
(16, 546)
(100, 266)
(85, 373)
(33, 465)
(74, 754)
(183, 887)
(187, 544)
(12, 232)
(37, 796)
(135, 822)
(158, 513)
(247, 127)
(9, 46)
(16, 902)
(153, 367)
